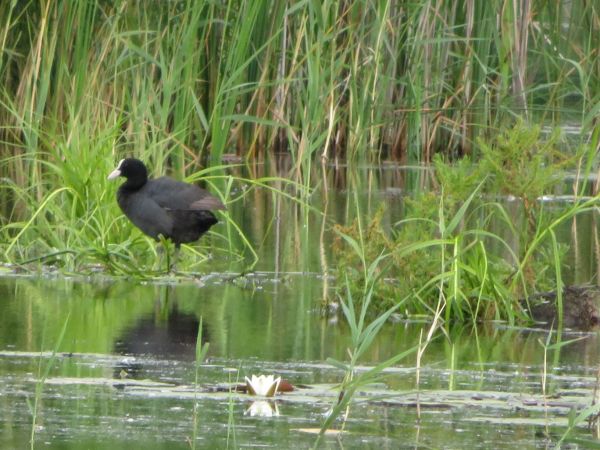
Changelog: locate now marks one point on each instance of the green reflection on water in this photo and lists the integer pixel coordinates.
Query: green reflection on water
(267, 326)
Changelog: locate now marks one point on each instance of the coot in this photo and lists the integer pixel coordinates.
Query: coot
(176, 210)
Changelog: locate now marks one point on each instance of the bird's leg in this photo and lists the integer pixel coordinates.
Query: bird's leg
(168, 250)
(173, 268)
(164, 249)
(161, 254)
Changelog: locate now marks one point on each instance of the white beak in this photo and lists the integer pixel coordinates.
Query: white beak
(114, 174)
(117, 172)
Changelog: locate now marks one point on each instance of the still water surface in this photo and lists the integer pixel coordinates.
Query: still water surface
(124, 375)
(268, 326)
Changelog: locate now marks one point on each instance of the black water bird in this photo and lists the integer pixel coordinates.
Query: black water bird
(164, 207)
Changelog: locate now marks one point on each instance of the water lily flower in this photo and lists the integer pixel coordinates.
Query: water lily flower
(263, 385)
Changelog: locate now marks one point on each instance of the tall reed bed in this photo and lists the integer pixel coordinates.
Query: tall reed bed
(183, 81)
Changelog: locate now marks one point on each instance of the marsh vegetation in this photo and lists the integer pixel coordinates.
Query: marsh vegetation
(430, 161)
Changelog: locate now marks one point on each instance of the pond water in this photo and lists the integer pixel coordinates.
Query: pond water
(123, 374)
(480, 388)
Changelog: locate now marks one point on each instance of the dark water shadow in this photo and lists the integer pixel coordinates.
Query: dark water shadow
(167, 333)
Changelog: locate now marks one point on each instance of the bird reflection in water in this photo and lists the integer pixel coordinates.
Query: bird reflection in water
(167, 334)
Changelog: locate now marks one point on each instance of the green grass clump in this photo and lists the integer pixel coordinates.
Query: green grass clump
(70, 220)
(459, 242)
(522, 164)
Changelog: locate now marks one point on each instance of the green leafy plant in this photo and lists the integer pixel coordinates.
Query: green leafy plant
(42, 377)
(450, 233)
(201, 352)
(363, 330)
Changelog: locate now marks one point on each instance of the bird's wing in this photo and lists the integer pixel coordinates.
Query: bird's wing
(172, 194)
(148, 215)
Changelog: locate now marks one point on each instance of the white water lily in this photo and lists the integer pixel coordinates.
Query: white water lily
(264, 385)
